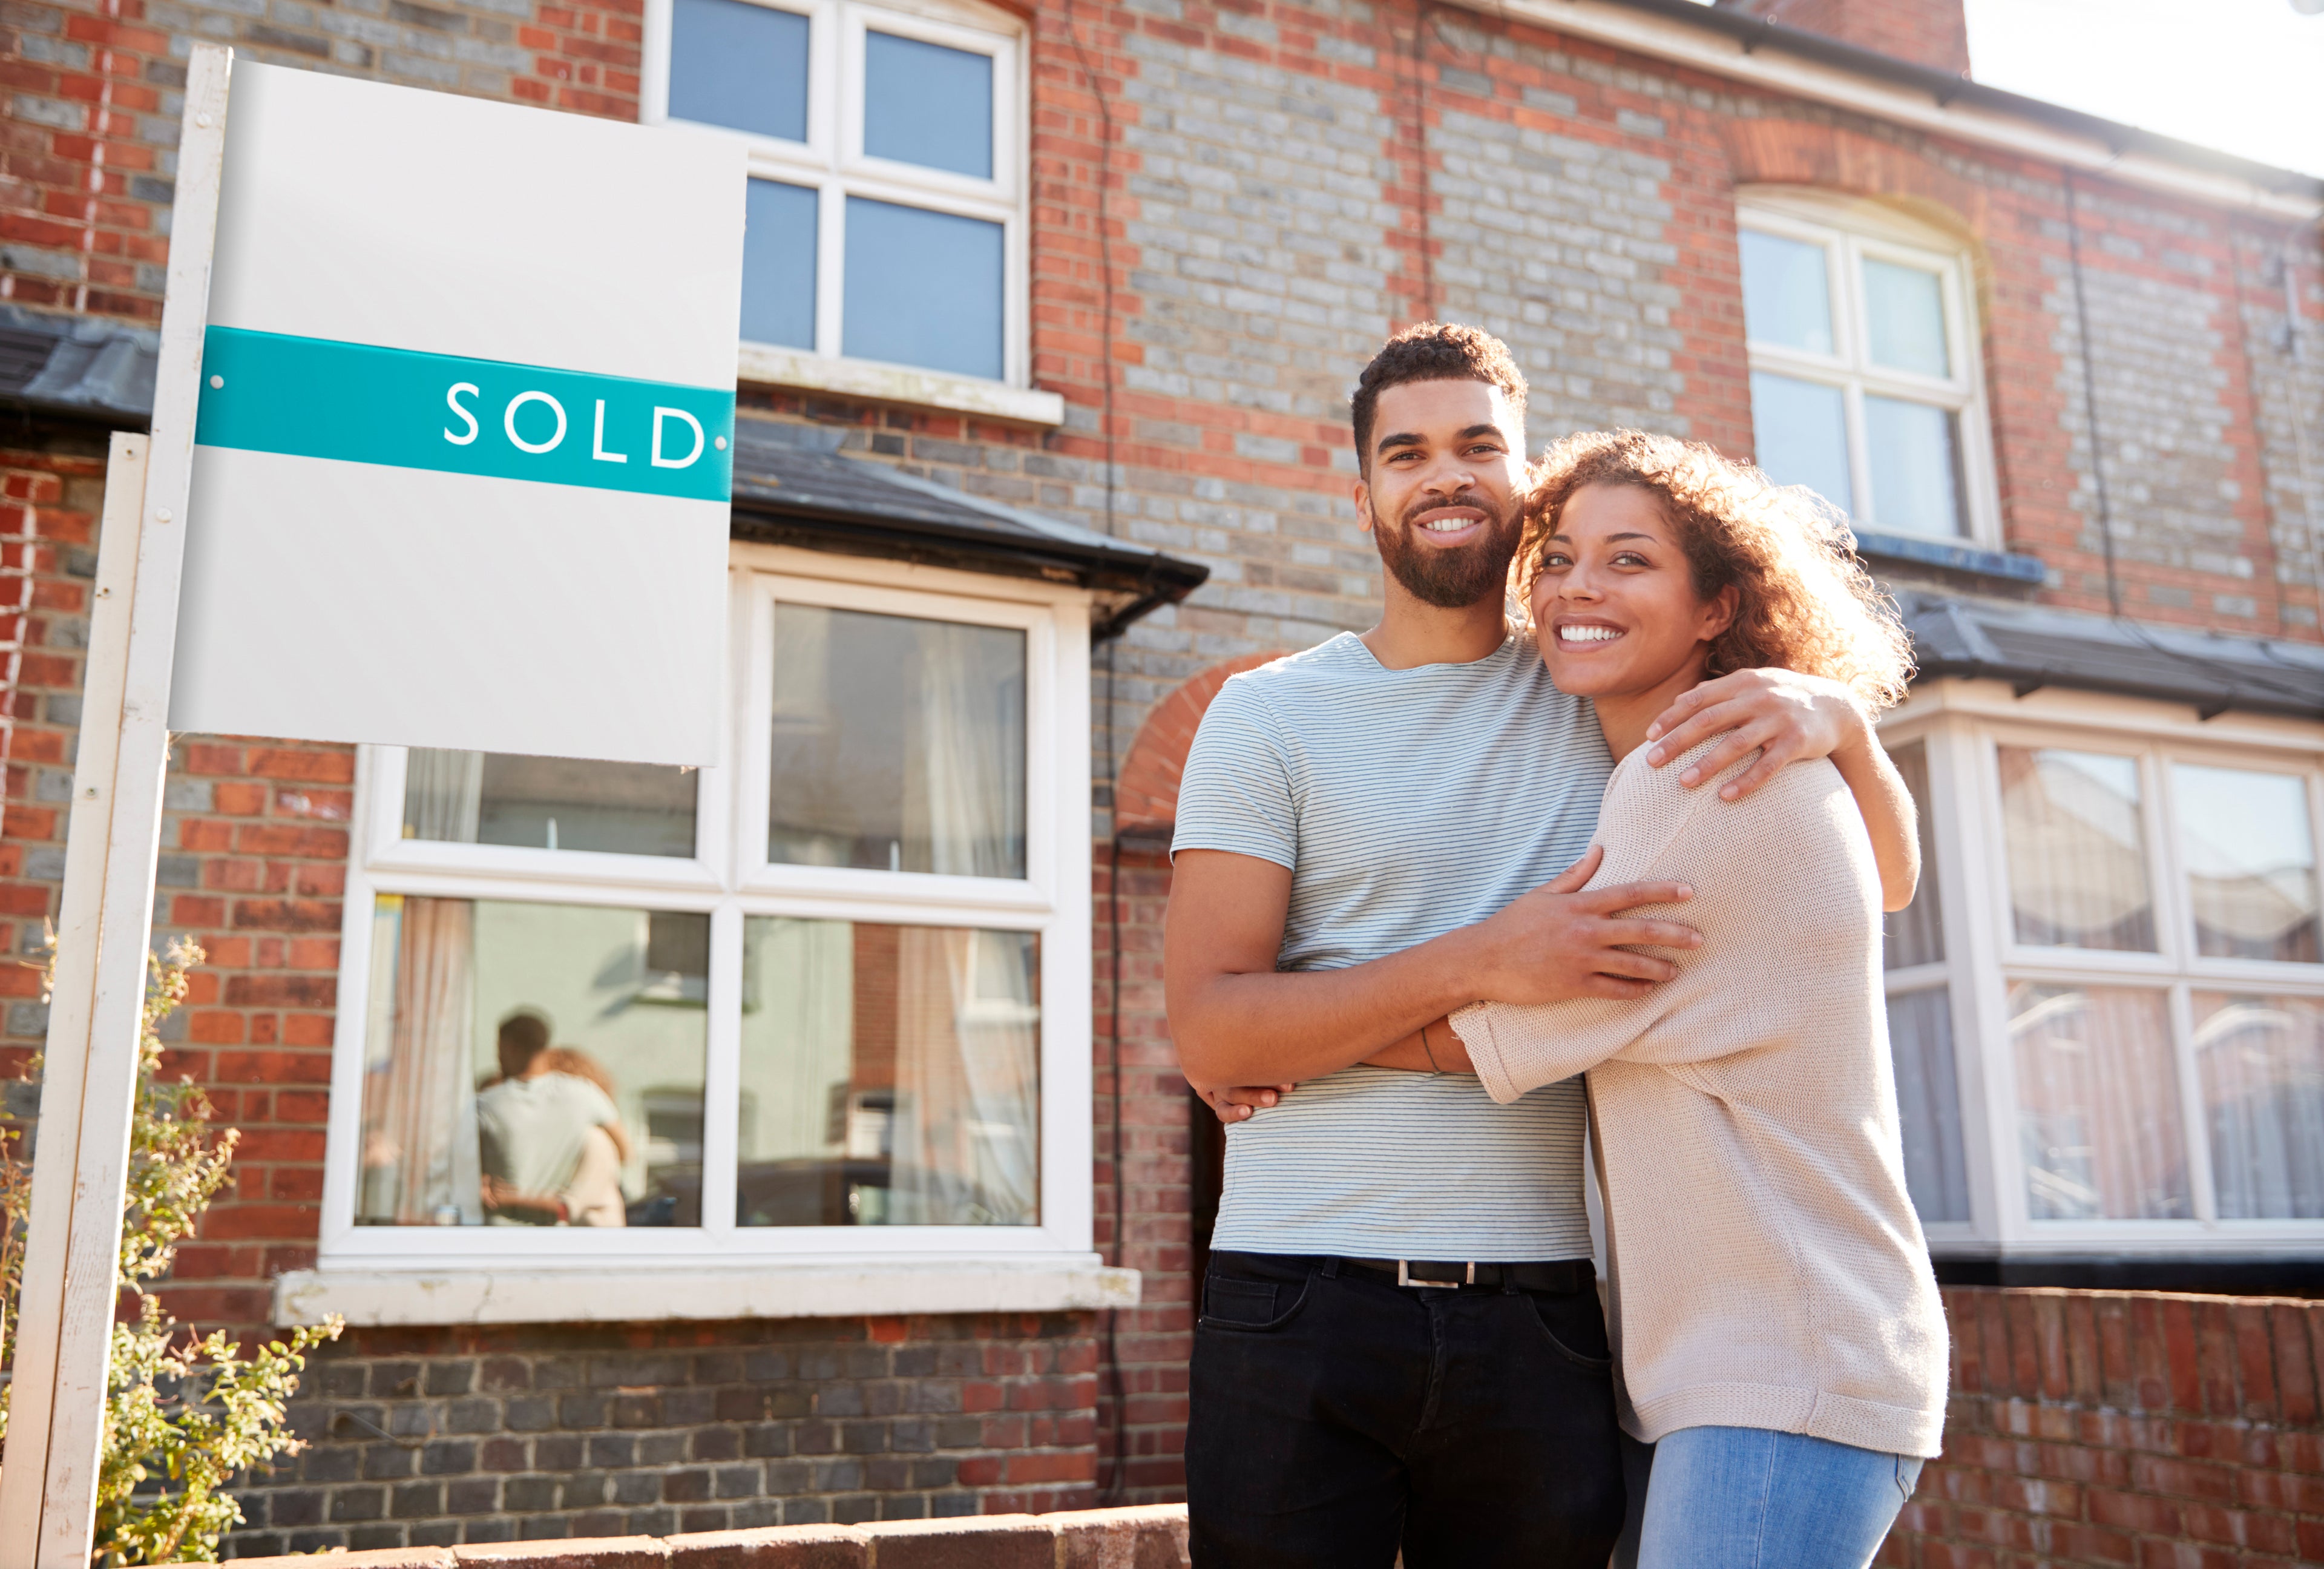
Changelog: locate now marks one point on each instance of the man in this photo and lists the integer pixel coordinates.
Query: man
(550, 1143)
(1400, 1342)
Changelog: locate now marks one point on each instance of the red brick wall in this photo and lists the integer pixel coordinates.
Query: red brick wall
(2107, 1427)
(1930, 32)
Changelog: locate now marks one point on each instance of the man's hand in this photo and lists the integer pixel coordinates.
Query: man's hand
(1559, 942)
(1786, 717)
(1238, 1104)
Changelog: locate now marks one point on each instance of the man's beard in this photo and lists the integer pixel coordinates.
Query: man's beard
(1451, 579)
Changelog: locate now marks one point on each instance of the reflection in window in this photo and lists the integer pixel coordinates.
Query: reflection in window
(2077, 849)
(1915, 934)
(927, 104)
(2251, 863)
(2097, 1104)
(898, 743)
(923, 289)
(532, 1065)
(1801, 433)
(1786, 293)
(891, 1075)
(1928, 1103)
(778, 264)
(1904, 318)
(735, 64)
(548, 803)
(2261, 1063)
(1915, 466)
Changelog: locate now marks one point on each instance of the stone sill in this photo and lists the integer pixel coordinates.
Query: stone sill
(647, 1291)
(762, 364)
(1998, 568)
(1150, 1536)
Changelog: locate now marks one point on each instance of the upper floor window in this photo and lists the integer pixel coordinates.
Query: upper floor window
(1865, 384)
(885, 205)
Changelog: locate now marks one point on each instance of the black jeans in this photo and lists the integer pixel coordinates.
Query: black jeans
(1337, 1415)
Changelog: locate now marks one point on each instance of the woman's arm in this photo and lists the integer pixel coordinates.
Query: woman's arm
(1889, 815)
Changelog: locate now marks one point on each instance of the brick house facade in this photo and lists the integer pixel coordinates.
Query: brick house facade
(1227, 206)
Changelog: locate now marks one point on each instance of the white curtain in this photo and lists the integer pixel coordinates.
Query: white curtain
(964, 798)
(2077, 849)
(1928, 1103)
(2097, 1104)
(2262, 1061)
(443, 794)
(967, 1121)
(420, 1114)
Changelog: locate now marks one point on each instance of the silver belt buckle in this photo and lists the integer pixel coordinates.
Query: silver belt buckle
(1403, 1277)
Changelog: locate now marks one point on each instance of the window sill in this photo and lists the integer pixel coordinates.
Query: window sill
(762, 364)
(770, 1289)
(1996, 567)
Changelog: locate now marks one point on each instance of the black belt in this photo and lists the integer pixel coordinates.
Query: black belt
(1563, 1275)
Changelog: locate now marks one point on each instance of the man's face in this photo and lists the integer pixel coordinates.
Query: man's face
(1443, 493)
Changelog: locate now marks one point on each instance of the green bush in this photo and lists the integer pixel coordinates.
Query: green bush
(182, 1414)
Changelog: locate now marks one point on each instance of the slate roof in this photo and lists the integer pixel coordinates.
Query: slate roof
(2031, 646)
(793, 487)
(85, 365)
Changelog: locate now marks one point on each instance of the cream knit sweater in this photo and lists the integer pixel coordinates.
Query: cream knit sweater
(1766, 1267)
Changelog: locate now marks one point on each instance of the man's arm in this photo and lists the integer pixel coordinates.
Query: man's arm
(1238, 1020)
(1790, 718)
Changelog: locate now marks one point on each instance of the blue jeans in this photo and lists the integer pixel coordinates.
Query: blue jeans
(1745, 1498)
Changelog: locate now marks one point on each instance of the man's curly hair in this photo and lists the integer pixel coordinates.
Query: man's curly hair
(1802, 602)
(1434, 351)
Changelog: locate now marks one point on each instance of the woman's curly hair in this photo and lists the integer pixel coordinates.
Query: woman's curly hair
(1802, 602)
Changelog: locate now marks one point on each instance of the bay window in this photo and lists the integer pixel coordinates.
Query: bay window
(884, 212)
(2106, 1004)
(1865, 384)
(827, 1002)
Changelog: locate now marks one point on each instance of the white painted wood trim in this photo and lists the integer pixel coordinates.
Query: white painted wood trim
(48, 1492)
(765, 366)
(1073, 1282)
(1769, 65)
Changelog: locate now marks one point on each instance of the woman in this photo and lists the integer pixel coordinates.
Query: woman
(1777, 1325)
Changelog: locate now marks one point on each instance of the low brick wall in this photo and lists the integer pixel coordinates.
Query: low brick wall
(1151, 1537)
(2110, 1428)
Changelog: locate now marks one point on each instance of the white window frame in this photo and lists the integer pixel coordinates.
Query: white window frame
(1850, 229)
(689, 1271)
(832, 163)
(1963, 724)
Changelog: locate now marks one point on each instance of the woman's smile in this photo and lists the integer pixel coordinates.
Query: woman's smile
(1580, 636)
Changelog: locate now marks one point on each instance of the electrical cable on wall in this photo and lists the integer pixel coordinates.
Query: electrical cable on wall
(1116, 1485)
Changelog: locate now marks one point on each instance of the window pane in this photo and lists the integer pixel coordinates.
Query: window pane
(927, 104)
(1915, 466)
(898, 743)
(548, 803)
(733, 63)
(528, 1062)
(923, 289)
(2250, 863)
(778, 264)
(2262, 1059)
(1904, 318)
(1915, 934)
(1928, 1103)
(891, 1075)
(2098, 1105)
(1786, 293)
(2077, 849)
(1802, 431)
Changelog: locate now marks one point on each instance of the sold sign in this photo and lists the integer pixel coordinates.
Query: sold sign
(309, 397)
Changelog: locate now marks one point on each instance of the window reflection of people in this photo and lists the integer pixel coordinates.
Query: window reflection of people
(551, 1144)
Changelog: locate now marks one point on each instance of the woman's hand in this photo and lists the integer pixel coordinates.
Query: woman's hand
(1237, 1104)
(1786, 717)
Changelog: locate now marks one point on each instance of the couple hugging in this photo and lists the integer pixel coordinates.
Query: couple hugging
(1429, 878)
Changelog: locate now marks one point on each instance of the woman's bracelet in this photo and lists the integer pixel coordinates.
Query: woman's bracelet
(1431, 1051)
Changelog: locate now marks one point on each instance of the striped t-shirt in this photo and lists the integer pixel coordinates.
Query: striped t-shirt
(1406, 803)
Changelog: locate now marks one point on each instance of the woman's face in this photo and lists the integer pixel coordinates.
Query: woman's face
(1615, 601)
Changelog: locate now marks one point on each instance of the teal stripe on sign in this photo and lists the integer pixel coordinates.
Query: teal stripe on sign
(311, 397)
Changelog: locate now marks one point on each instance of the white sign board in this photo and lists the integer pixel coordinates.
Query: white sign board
(461, 470)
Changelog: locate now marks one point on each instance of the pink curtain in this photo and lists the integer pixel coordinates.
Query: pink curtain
(418, 1103)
